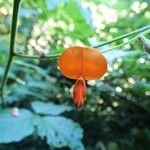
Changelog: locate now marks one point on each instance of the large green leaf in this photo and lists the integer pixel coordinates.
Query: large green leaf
(13, 129)
(60, 132)
(49, 108)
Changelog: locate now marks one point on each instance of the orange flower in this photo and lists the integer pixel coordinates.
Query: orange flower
(82, 63)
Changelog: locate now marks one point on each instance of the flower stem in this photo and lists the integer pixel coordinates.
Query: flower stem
(11, 49)
(105, 43)
(125, 43)
(37, 57)
(124, 36)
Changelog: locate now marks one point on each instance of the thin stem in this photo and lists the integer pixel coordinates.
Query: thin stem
(105, 43)
(12, 45)
(124, 36)
(125, 43)
(37, 57)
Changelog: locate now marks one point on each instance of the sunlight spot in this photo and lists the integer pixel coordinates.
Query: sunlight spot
(71, 89)
(118, 89)
(144, 5)
(120, 60)
(142, 60)
(41, 41)
(113, 30)
(109, 14)
(110, 69)
(131, 15)
(120, 71)
(126, 85)
(58, 95)
(115, 66)
(115, 104)
(136, 6)
(109, 109)
(100, 101)
(37, 30)
(143, 80)
(3, 11)
(114, 1)
(71, 27)
(91, 82)
(131, 80)
(127, 46)
(147, 14)
(32, 42)
(79, 43)
(123, 13)
(147, 93)
(93, 109)
(59, 42)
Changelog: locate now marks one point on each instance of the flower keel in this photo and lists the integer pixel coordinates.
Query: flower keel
(79, 92)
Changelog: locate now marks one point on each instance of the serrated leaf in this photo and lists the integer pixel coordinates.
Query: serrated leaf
(9, 125)
(49, 108)
(60, 132)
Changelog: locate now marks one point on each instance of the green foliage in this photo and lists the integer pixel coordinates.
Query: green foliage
(117, 109)
(59, 131)
(44, 108)
(9, 125)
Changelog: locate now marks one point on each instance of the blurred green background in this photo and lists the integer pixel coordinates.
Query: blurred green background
(40, 114)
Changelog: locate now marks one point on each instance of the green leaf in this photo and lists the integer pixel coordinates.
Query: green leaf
(60, 132)
(10, 125)
(32, 66)
(49, 108)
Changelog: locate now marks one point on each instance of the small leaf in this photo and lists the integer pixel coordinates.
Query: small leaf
(49, 108)
(9, 125)
(60, 132)
(52, 4)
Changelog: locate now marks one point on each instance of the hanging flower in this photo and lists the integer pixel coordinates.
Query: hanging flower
(82, 63)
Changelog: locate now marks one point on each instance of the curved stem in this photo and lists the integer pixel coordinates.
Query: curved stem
(37, 57)
(125, 43)
(105, 43)
(124, 36)
(12, 45)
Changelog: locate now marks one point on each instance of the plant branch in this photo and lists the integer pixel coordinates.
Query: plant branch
(146, 29)
(12, 45)
(37, 57)
(125, 43)
(124, 36)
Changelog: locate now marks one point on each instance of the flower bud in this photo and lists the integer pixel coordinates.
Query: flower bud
(146, 43)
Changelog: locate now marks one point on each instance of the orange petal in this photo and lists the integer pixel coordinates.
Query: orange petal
(70, 62)
(94, 64)
(79, 92)
(88, 62)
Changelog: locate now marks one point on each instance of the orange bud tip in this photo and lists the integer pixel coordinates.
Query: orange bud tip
(79, 92)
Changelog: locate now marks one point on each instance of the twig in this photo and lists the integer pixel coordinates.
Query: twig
(105, 43)
(124, 36)
(125, 43)
(11, 49)
(37, 57)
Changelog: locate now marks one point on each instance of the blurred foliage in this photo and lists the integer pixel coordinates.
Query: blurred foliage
(117, 110)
